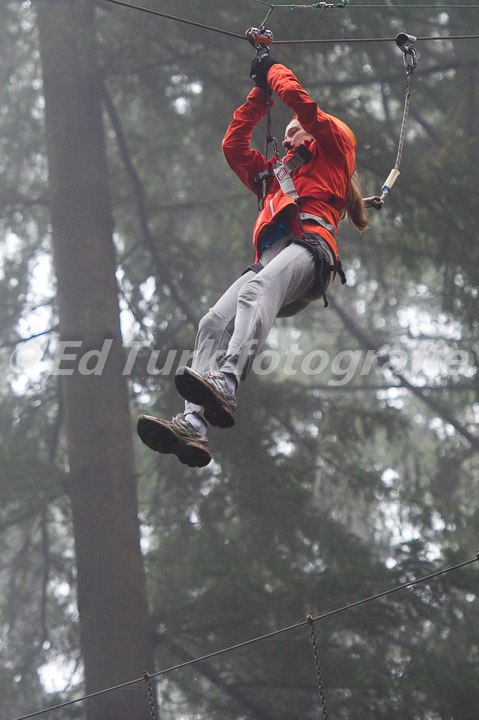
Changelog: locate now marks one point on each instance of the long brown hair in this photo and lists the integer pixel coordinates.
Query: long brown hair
(356, 211)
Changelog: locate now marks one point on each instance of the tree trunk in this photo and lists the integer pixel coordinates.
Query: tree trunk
(115, 633)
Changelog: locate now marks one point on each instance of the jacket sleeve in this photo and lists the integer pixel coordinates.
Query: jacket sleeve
(322, 127)
(242, 159)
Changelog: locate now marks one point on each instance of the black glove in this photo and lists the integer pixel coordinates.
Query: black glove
(259, 68)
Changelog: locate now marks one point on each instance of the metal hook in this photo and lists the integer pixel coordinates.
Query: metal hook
(405, 43)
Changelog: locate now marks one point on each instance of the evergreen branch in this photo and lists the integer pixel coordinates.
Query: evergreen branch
(215, 678)
(140, 197)
(384, 358)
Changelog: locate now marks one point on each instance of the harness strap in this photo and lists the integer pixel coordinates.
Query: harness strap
(319, 220)
(282, 170)
(301, 156)
(322, 266)
(255, 267)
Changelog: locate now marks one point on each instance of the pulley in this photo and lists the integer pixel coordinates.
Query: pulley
(260, 38)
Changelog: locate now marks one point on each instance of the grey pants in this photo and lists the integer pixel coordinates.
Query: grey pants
(233, 332)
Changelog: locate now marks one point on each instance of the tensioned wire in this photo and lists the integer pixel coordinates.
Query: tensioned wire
(321, 6)
(246, 643)
(150, 11)
(415, 5)
(344, 4)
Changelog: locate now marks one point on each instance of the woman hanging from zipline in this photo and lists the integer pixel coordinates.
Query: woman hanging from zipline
(302, 199)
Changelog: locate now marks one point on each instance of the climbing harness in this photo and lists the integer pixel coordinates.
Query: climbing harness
(322, 266)
(282, 171)
(261, 39)
(405, 43)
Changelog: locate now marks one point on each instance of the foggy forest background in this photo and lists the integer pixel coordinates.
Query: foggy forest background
(354, 464)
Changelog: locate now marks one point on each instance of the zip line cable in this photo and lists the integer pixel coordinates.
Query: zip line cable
(283, 42)
(177, 19)
(149, 676)
(340, 5)
(418, 5)
(293, 6)
(368, 40)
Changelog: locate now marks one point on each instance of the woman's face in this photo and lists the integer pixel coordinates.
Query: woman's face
(295, 135)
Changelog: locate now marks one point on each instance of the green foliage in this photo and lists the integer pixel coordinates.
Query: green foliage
(333, 486)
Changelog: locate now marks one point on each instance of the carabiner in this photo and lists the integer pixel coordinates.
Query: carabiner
(410, 65)
(405, 43)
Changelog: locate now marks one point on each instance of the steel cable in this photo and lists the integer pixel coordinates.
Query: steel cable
(246, 643)
(279, 42)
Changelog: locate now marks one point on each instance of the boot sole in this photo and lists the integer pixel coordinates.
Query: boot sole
(163, 439)
(195, 390)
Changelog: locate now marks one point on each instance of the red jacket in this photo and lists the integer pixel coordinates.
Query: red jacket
(329, 171)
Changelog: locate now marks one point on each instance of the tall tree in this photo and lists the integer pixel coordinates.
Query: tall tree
(112, 602)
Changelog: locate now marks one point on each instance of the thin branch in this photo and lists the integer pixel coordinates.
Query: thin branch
(140, 198)
(384, 358)
(231, 691)
(14, 343)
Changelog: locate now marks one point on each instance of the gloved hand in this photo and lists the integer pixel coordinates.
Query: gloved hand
(259, 68)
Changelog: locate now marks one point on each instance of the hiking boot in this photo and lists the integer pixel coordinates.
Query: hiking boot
(177, 437)
(211, 392)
